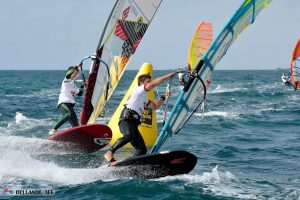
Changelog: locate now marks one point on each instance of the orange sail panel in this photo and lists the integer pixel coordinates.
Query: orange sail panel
(295, 65)
(200, 42)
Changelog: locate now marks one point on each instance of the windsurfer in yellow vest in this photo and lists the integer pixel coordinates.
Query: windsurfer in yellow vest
(66, 101)
(130, 117)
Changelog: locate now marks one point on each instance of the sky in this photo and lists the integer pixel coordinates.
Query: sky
(52, 35)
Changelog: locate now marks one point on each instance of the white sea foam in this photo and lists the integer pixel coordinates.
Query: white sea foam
(16, 165)
(43, 93)
(213, 177)
(160, 115)
(230, 115)
(218, 182)
(20, 118)
(267, 88)
(271, 110)
(220, 89)
(19, 143)
(294, 97)
(218, 114)
(23, 123)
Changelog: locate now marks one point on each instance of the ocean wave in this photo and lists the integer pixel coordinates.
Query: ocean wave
(230, 115)
(19, 165)
(23, 123)
(218, 114)
(273, 89)
(160, 115)
(271, 110)
(213, 177)
(40, 94)
(219, 89)
(294, 97)
(19, 143)
(220, 183)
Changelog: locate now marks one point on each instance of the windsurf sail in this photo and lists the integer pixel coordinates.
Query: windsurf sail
(148, 127)
(122, 34)
(200, 76)
(295, 66)
(200, 42)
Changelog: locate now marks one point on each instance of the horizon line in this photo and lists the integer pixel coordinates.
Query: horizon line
(137, 69)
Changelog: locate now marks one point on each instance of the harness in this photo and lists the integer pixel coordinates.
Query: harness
(130, 115)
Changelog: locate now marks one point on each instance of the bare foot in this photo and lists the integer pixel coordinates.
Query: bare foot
(109, 155)
(52, 132)
(113, 163)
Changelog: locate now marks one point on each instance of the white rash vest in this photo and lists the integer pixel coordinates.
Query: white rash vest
(68, 91)
(138, 100)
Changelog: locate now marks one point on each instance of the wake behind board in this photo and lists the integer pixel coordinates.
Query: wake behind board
(85, 139)
(167, 163)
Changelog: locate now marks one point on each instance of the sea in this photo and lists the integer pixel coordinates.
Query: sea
(247, 141)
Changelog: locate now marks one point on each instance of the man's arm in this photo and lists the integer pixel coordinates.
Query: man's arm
(156, 105)
(81, 89)
(157, 81)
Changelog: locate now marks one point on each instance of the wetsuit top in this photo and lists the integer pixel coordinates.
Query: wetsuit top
(68, 91)
(138, 100)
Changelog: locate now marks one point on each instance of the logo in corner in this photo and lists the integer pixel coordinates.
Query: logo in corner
(5, 192)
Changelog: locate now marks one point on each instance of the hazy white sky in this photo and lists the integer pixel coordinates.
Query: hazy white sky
(47, 34)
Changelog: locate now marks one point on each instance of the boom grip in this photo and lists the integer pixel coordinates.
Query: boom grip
(193, 76)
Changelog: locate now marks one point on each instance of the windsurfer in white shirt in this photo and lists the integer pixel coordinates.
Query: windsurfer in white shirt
(130, 117)
(286, 80)
(66, 100)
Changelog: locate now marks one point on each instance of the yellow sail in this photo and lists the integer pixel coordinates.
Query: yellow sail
(148, 128)
(200, 42)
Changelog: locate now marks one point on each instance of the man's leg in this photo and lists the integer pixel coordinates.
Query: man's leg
(138, 143)
(66, 115)
(73, 119)
(126, 130)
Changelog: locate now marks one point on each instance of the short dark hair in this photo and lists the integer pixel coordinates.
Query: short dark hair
(142, 78)
(70, 71)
